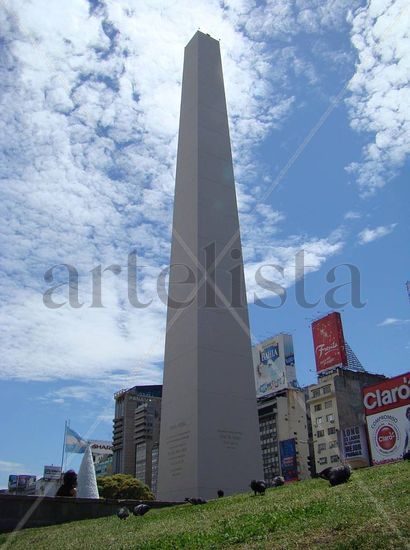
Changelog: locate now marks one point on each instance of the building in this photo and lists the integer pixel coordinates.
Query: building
(146, 437)
(335, 402)
(22, 484)
(311, 456)
(282, 417)
(102, 454)
(338, 419)
(281, 410)
(47, 487)
(48, 484)
(209, 432)
(136, 433)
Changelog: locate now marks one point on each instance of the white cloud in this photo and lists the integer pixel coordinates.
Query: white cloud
(284, 18)
(393, 321)
(369, 235)
(281, 262)
(89, 109)
(11, 467)
(380, 94)
(352, 215)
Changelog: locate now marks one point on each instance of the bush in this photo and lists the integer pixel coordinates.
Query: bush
(123, 486)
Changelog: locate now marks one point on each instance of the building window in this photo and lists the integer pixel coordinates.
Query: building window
(330, 418)
(318, 420)
(328, 404)
(119, 408)
(332, 444)
(154, 469)
(140, 461)
(334, 458)
(331, 431)
(321, 447)
(320, 433)
(316, 393)
(117, 461)
(318, 407)
(322, 460)
(327, 389)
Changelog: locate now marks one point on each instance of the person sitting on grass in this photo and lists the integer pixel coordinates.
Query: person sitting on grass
(68, 488)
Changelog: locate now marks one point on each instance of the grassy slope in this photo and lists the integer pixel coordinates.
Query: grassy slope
(370, 512)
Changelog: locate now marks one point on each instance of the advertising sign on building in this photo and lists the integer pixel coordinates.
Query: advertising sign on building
(329, 343)
(12, 482)
(100, 448)
(52, 472)
(21, 483)
(387, 407)
(274, 365)
(288, 460)
(353, 446)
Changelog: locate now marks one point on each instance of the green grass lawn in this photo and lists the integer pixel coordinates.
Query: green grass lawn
(370, 512)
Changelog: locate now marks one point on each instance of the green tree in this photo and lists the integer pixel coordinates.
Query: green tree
(123, 486)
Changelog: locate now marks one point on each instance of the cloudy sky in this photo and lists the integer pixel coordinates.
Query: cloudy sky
(318, 102)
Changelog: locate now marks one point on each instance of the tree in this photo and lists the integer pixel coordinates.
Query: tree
(123, 486)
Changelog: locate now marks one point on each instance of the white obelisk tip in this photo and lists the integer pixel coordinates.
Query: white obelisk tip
(87, 482)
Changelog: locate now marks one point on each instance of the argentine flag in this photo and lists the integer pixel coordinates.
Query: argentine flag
(74, 443)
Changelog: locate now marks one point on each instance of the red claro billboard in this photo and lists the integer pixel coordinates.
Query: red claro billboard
(329, 343)
(387, 408)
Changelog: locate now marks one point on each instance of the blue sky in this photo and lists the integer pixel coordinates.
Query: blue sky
(318, 101)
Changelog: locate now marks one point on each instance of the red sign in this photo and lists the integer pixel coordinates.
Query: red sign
(386, 395)
(329, 342)
(386, 437)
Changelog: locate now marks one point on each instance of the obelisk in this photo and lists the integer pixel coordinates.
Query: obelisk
(209, 427)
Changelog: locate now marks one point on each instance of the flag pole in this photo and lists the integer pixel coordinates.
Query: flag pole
(63, 453)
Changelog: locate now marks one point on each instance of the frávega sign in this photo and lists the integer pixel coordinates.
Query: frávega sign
(387, 395)
(329, 343)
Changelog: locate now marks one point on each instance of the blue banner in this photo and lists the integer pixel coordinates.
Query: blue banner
(288, 460)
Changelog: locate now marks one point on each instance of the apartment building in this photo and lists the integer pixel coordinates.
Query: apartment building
(337, 417)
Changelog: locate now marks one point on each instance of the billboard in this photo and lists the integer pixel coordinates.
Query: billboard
(353, 446)
(13, 482)
(274, 365)
(288, 462)
(21, 483)
(329, 343)
(101, 448)
(52, 472)
(387, 408)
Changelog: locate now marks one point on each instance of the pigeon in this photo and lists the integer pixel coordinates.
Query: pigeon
(278, 481)
(195, 500)
(141, 509)
(336, 475)
(220, 493)
(123, 513)
(258, 486)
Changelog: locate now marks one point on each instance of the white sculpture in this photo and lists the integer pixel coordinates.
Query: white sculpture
(87, 482)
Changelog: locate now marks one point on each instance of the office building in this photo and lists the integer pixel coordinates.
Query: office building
(282, 417)
(136, 433)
